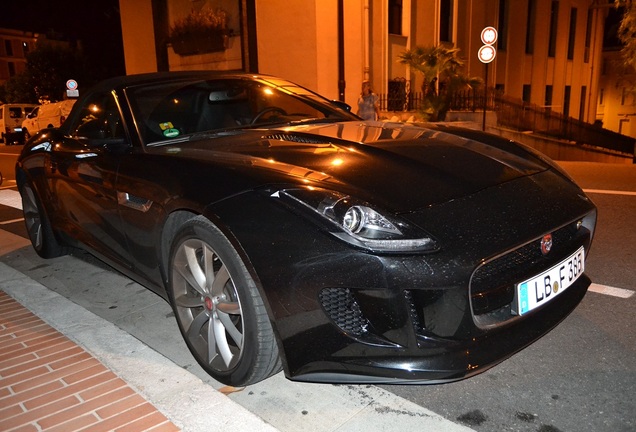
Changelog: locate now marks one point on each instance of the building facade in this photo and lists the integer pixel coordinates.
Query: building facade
(14, 47)
(616, 109)
(548, 52)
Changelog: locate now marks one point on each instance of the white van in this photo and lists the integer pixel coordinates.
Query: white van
(11, 118)
(47, 116)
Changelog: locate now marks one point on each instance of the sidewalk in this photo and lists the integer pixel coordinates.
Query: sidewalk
(63, 368)
(50, 383)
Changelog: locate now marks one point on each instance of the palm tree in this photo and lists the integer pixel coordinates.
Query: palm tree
(442, 70)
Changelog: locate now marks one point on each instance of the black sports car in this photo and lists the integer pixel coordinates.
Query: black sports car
(288, 233)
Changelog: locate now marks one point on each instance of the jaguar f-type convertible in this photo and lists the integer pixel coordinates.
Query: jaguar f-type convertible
(289, 234)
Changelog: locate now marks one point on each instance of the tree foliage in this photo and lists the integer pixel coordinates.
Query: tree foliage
(18, 89)
(443, 71)
(627, 32)
(48, 68)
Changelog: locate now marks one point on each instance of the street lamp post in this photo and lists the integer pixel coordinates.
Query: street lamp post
(487, 54)
(341, 56)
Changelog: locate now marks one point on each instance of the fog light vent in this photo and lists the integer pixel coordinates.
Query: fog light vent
(344, 311)
(415, 318)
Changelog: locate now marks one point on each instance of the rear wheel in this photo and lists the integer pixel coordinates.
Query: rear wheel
(38, 225)
(218, 307)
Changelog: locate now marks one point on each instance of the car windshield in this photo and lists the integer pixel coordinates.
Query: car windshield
(181, 110)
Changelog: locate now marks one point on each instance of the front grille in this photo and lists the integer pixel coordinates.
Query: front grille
(493, 284)
(344, 310)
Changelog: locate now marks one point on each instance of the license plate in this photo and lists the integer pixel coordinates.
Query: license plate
(18, 129)
(544, 287)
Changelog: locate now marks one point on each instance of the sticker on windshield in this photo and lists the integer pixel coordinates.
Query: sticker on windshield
(169, 131)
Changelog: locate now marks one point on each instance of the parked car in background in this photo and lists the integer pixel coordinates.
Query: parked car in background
(287, 233)
(46, 116)
(11, 118)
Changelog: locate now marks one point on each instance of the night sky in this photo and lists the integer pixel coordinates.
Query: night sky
(95, 23)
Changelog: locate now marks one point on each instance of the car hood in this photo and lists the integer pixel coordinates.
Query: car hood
(399, 166)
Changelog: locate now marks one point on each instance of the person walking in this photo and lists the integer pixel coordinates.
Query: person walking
(369, 103)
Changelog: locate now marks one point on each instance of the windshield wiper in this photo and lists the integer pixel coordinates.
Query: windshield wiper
(315, 121)
(168, 141)
(234, 130)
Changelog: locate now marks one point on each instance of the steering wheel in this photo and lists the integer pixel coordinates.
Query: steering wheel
(266, 110)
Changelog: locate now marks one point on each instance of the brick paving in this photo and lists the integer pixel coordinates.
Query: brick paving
(47, 382)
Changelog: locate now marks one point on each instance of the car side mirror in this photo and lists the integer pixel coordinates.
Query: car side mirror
(342, 105)
(92, 129)
(111, 145)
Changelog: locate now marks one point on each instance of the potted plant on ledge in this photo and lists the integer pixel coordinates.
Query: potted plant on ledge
(202, 31)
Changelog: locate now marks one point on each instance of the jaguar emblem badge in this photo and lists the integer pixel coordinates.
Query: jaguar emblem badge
(546, 244)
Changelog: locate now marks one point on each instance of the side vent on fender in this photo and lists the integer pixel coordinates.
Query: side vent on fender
(134, 202)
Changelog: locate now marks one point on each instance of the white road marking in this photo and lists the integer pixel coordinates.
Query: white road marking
(611, 291)
(11, 198)
(11, 221)
(609, 192)
(8, 184)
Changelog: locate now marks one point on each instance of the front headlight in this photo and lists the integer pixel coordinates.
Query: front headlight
(357, 222)
(365, 221)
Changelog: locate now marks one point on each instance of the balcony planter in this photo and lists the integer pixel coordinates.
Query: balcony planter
(199, 44)
(202, 31)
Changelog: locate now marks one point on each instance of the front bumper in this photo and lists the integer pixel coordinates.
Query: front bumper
(441, 360)
(346, 315)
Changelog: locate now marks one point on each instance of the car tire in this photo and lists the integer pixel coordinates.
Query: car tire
(218, 307)
(38, 225)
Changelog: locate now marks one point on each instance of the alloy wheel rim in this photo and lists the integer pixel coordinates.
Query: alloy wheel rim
(207, 305)
(32, 218)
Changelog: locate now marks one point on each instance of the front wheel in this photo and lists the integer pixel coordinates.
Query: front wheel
(38, 225)
(218, 307)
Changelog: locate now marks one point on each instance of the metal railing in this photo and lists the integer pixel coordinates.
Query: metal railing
(514, 114)
(521, 116)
